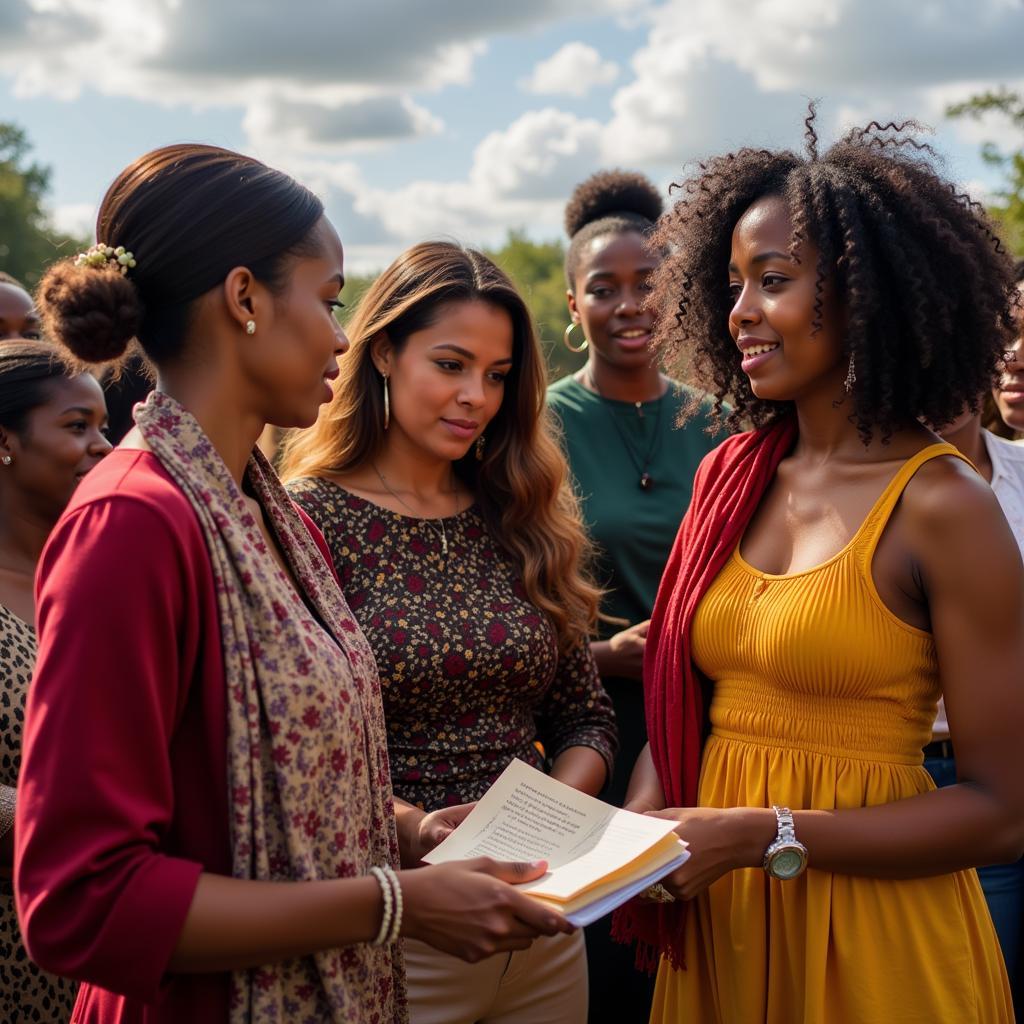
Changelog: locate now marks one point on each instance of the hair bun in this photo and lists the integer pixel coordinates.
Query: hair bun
(609, 192)
(94, 312)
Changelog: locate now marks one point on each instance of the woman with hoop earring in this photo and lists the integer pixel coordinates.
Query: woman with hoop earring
(633, 470)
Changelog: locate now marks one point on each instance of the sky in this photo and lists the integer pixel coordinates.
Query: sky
(461, 119)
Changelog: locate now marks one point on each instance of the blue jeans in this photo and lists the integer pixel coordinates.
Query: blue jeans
(1003, 885)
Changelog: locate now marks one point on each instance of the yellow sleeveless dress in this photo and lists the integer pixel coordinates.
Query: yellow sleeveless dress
(823, 699)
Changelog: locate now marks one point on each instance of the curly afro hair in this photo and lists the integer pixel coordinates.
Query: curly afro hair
(927, 287)
(608, 203)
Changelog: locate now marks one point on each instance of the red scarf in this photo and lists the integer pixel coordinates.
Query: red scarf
(726, 492)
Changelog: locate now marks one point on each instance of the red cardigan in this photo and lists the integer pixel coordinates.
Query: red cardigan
(122, 796)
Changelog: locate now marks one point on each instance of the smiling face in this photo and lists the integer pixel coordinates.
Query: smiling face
(1009, 395)
(292, 357)
(448, 381)
(772, 316)
(612, 284)
(18, 317)
(61, 441)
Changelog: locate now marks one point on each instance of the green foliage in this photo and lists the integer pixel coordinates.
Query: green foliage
(536, 268)
(28, 242)
(1008, 210)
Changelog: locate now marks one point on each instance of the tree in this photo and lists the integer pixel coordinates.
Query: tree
(28, 241)
(1008, 209)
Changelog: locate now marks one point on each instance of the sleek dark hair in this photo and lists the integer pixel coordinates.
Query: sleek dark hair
(28, 370)
(189, 214)
(607, 203)
(926, 286)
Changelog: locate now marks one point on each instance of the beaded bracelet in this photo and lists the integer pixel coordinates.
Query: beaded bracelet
(396, 920)
(388, 894)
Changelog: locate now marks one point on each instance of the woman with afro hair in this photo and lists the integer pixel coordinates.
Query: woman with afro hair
(838, 570)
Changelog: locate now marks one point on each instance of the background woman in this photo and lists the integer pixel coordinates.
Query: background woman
(18, 316)
(1005, 413)
(435, 480)
(633, 467)
(1001, 463)
(204, 729)
(51, 435)
(839, 568)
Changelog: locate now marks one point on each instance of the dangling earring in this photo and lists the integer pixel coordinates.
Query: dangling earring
(250, 326)
(6, 460)
(583, 345)
(851, 376)
(387, 403)
(480, 442)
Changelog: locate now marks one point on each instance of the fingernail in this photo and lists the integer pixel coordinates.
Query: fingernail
(538, 863)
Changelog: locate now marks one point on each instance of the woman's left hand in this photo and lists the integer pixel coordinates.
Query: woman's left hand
(438, 825)
(720, 840)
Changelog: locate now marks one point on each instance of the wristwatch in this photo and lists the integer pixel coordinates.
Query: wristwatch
(787, 856)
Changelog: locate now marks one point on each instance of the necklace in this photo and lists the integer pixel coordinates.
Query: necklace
(646, 481)
(441, 533)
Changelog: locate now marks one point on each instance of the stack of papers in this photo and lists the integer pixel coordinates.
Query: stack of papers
(598, 855)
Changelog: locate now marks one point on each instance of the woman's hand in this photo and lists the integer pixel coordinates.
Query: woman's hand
(470, 910)
(437, 826)
(721, 840)
(419, 832)
(623, 654)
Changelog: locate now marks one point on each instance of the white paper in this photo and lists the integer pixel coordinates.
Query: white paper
(527, 815)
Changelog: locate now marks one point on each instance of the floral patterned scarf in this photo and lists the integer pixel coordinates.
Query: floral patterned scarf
(308, 778)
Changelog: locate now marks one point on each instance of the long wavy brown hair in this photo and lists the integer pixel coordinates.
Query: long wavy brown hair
(521, 485)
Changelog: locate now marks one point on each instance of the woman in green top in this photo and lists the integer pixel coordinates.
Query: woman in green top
(633, 469)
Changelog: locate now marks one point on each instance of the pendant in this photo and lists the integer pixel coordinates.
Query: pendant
(646, 483)
(444, 546)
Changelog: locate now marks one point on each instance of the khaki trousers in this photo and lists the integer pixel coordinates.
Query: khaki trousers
(545, 984)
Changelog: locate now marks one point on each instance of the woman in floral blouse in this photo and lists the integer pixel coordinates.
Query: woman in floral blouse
(442, 496)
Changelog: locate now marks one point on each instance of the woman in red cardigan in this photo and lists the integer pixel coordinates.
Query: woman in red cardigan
(206, 829)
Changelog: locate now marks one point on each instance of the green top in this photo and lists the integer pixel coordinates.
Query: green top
(609, 445)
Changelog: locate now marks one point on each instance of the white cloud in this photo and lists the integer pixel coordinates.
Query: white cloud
(210, 53)
(573, 70)
(712, 76)
(310, 127)
(77, 219)
(316, 80)
(317, 75)
(519, 176)
(539, 156)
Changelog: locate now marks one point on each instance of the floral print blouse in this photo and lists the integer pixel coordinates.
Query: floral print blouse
(470, 669)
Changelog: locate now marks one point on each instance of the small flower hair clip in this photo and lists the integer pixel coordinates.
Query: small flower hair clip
(100, 255)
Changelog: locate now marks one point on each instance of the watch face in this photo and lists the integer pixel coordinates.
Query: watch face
(787, 863)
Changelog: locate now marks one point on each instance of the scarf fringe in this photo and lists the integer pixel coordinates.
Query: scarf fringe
(657, 930)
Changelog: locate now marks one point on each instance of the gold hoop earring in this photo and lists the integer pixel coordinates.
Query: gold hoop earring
(582, 347)
(387, 403)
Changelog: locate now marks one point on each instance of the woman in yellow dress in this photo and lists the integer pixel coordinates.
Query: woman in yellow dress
(840, 568)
